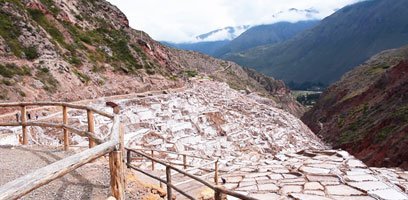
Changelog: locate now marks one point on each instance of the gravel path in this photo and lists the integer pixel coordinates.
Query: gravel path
(90, 181)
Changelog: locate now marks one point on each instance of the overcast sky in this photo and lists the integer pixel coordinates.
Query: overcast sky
(183, 20)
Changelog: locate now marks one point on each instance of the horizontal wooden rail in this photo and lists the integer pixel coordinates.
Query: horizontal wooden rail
(171, 152)
(215, 188)
(161, 180)
(56, 125)
(23, 185)
(194, 168)
(69, 105)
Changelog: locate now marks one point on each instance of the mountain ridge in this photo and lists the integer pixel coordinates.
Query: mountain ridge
(366, 112)
(335, 45)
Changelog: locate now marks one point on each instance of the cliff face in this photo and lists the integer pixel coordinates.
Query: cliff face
(366, 112)
(67, 50)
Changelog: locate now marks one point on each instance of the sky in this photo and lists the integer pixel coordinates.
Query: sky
(183, 20)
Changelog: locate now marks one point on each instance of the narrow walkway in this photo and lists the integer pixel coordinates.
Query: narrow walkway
(89, 182)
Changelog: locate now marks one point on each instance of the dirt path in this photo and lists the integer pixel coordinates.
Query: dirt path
(89, 182)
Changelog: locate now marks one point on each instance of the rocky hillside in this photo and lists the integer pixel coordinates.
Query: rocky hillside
(366, 112)
(69, 50)
(334, 46)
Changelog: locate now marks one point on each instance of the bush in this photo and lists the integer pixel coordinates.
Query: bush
(75, 61)
(31, 53)
(85, 39)
(81, 75)
(50, 83)
(6, 82)
(12, 69)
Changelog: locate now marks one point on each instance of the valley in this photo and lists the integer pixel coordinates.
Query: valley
(312, 108)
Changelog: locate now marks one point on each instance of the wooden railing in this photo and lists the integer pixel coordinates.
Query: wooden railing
(23, 185)
(218, 191)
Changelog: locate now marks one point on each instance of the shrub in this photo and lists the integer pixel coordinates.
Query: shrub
(86, 39)
(6, 82)
(5, 72)
(3, 94)
(50, 83)
(81, 75)
(31, 53)
(98, 69)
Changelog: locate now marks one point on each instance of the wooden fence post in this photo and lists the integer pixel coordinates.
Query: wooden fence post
(216, 173)
(128, 158)
(152, 160)
(91, 127)
(23, 120)
(168, 179)
(117, 181)
(65, 121)
(217, 195)
(185, 161)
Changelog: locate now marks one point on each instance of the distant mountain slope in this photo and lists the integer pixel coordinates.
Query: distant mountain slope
(263, 35)
(366, 112)
(335, 45)
(204, 47)
(69, 50)
(227, 33)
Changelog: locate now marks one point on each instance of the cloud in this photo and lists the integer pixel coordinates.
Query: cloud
(183, 20)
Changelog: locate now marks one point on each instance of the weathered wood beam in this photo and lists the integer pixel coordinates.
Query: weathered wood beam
(117, 181)
(23, 185)
(55, 125)
(65, 122)
(45, 103)
(91, 127)
(161, 181)
(216, 173)
(24, 127)
(171, 152)
(168, 181)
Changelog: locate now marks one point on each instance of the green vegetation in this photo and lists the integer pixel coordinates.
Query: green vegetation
(21, 93)
(10, 33)
(50, 83)
(11, 69)
(384, 133)
(401, 114)
(40, 18)
(31, 53)
(49, 5)
(235, 86)
(97, 69)
(6, 82)
(3, 94)
(81, 75)
(306, 98)
(190, 73)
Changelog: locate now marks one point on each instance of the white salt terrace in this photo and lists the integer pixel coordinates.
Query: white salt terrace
(263, 151)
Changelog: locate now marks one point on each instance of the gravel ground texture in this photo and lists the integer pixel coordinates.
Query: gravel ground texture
(90, 181)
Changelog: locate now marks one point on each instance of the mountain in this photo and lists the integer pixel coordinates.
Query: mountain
(227, 33)
(252, 37)
(204, 47)
(71, 50)
(334, 46)
(209, 42)
(366, 112)
(264, 35)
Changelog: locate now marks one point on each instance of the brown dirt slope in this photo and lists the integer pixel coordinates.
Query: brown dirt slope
(68, 50)
(366, 112)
